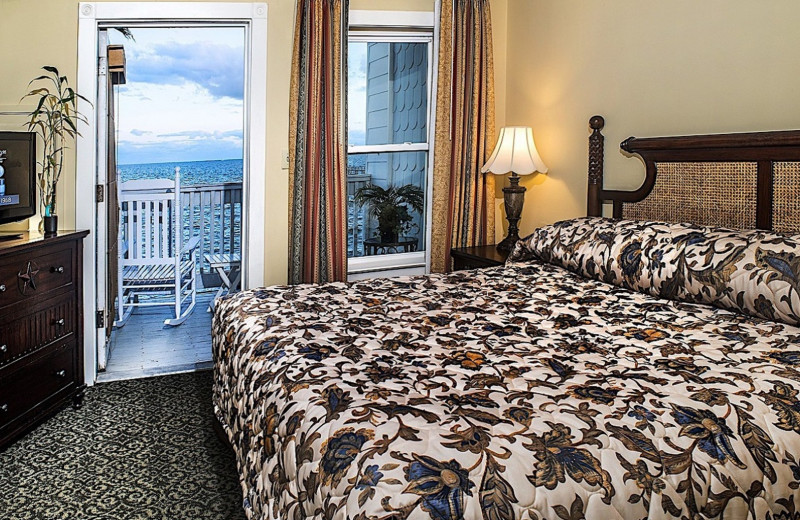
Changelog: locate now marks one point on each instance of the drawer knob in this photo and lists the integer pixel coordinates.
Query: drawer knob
(61, 373)
(2, 288)
(3, 408)
(59, 269)
(3, 349)
(60, 322)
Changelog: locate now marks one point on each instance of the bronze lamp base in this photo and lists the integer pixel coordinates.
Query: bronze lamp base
(514, 198)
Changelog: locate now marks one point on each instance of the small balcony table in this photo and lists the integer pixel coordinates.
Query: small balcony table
(219, 263)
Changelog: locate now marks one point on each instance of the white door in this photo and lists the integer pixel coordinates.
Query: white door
(92, 167)
(107, 205)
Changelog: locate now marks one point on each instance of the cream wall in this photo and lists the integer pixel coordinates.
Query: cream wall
(55, 25)
(500, 44)
(392, 5)
(651, 68)
(44, 32)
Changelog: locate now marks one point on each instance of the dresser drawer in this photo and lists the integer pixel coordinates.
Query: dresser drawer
(27, 387)
(57, 320)
(55, 269)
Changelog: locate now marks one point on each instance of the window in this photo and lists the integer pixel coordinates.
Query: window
(389, 138)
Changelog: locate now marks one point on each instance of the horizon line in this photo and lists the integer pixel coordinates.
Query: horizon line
(173, 162)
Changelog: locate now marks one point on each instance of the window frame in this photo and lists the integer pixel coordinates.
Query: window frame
(390, 27)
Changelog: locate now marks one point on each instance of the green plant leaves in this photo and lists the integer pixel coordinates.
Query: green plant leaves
(55, 119)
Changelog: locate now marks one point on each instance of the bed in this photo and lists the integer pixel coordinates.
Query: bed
(614, 368)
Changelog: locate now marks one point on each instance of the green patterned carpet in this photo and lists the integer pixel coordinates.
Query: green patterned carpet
(137, 449)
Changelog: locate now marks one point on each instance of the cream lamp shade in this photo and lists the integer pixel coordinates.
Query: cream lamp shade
(515, 152)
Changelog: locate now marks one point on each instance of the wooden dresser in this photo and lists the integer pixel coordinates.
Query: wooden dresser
(41, 329)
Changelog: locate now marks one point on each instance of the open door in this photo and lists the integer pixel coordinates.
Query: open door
(111, 72)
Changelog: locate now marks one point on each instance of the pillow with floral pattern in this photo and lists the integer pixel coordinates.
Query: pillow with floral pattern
(755, 272)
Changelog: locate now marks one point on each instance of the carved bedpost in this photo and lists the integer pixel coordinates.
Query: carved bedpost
(594, 206)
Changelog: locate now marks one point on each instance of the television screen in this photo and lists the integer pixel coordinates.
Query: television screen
(17, 176)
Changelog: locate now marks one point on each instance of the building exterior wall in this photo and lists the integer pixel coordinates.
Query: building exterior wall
(397, 112)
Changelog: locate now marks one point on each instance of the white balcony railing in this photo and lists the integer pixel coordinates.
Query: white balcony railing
(213, 212)
(357, 221)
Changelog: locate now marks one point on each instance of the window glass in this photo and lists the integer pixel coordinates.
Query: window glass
(386, 203)
(387, 93)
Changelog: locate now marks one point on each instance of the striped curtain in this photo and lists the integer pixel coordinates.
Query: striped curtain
(318, 144)
(463, 197)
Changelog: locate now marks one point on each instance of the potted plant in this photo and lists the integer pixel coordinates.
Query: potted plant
(390, 206)
(55, 119)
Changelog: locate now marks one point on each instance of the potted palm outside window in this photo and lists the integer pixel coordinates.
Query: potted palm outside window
(390, 207)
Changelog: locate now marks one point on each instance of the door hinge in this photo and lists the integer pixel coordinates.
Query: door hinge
(101, 319)
(99, 193)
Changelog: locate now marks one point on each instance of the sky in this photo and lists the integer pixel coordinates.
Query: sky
(183, 100)
(356, 92)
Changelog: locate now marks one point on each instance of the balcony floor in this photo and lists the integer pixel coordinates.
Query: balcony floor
(146, 347)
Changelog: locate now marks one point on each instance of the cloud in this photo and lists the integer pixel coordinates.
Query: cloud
(181, 122)
(131, 92)
(356, 136)
(357, 93)
(183, 100)
(202, 134)
(217, 67)
(357, 67)
(185, 145)
(178, 151)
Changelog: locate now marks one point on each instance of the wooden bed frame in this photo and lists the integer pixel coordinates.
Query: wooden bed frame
(770, 160)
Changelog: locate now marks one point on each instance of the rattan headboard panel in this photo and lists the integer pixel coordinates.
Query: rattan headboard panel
(786, 197)
(706, 193)
(745, 180)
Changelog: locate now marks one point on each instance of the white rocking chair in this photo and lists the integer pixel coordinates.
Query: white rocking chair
(152, 256)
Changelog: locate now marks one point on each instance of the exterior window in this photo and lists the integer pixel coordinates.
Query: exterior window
(389, 145)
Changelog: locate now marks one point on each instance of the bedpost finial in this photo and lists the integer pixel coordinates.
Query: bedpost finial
(597, 122)
(625, 145)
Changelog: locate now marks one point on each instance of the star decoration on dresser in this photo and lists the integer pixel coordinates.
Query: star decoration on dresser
(29, 277)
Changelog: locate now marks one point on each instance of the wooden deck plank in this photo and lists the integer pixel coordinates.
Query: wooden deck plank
(145, 346)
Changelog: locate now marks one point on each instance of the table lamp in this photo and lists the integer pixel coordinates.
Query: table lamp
(516, 153)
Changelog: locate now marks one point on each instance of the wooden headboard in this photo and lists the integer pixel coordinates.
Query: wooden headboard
(745, 180)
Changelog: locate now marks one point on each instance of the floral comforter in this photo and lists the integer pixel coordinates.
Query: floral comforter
(517, 392)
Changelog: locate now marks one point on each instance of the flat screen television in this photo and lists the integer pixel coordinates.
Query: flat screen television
(17, 176)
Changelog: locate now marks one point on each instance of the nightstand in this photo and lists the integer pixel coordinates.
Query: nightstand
(477, 257)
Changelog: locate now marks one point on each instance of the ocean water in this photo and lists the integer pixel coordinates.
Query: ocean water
(218, 224)
(195, 173)
(192, 173)
(208, 172)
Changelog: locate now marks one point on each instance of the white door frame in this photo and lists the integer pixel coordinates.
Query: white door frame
(101, 106)
(93, 15)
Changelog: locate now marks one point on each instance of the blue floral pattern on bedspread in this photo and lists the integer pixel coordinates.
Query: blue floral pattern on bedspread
(516, 392)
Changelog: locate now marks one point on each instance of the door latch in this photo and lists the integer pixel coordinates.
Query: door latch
(101, 319)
